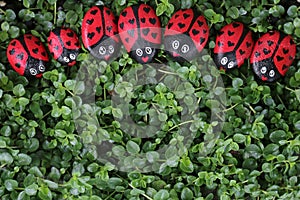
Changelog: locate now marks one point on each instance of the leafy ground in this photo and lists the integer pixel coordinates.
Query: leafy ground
(44, 156)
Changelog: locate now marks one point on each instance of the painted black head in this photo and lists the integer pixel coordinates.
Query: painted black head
(107, 49)
(180, 47)
(143, 51)
(37, 67)
(266, 70)
(225, 61)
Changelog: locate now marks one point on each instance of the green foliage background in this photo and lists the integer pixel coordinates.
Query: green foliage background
(42, 156)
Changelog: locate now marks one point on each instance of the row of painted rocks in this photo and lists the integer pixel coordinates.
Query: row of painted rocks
(139, 30)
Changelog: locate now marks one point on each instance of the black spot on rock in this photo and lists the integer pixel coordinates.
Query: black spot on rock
(146, 9)
(181, 25)
(109, 28)
(94, 12)
(248, 44)
(146, 31)
(152, 20)
(195, 32)
(12, 52)
(121, 25)
(241, 52)
(266, 51)
(18, 65)
(90, 21)
(91, 35)
(257, 54)
(98, 29)
(202, 40)
(170, 25)
(124, 13)
(131, 21)
(20, 56)
(230, 33)
(230, 44)
(220, 44)
(154, 35)
(270, 43)
(279, 58)
(36, 50)
(186, 15)
(235, 25)
(200, 23)
(131, 32)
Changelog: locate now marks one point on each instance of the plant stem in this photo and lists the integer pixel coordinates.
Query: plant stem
(146, 196)
(186, 122)
(54, 17)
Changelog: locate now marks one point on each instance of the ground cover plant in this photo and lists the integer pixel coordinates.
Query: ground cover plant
(51, 146)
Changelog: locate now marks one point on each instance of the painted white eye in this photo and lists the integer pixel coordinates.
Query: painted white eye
(224, 60)
(41, 68)
(33, 71)
(139, 52)
(102, 50)
(148, 50)
(263, 70)
(175, 44)
(72, 56)
(272, 73)
(230, 64)
(66, 59)
(111, 49)
(185, 48)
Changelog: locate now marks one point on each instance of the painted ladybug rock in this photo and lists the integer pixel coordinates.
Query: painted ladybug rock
(186, 35)
(27, 56)
(272, 55)
(99, 33)
(140, 32)
(64, 45)
(234, 44)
